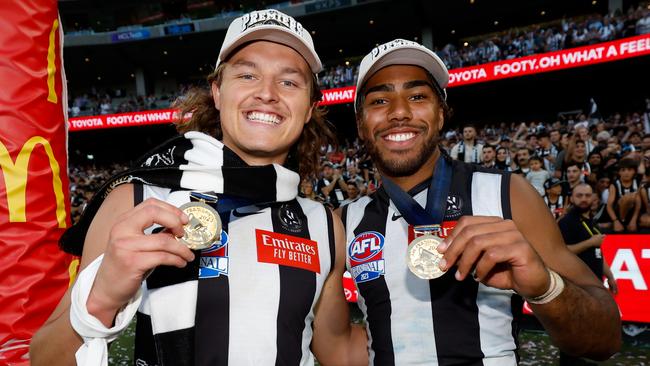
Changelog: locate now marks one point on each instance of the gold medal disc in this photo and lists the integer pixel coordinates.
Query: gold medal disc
(204, 227)
(423, 257)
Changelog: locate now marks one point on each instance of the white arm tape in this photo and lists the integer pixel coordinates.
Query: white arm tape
(94, 351)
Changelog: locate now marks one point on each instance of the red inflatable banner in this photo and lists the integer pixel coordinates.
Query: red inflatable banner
(628, 257)
(34, 194)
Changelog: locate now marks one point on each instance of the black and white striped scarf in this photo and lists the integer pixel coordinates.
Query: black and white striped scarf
(196, 162)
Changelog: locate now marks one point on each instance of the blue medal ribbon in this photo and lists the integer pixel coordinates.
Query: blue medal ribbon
(431, 216)
(221, 203)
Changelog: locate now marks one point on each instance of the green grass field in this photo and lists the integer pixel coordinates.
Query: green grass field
(535, 350)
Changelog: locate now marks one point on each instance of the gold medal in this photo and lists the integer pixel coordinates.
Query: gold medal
(204, 227)
(423, 257)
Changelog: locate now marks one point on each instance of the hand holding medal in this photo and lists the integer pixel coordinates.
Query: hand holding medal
(204, 226)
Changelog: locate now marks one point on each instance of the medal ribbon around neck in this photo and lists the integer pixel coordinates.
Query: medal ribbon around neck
(422, 256)
(434, 212)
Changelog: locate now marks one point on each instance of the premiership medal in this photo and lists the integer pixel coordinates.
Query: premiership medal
(422, 255)
(204, 226)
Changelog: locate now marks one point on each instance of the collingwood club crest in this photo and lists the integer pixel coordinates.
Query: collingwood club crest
(289, 220)
(454, 207)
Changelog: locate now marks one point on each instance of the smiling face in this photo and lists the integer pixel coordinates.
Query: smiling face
(400, 120)
(263, 101)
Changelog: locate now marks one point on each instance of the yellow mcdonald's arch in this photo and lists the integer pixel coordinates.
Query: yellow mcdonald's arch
(16, 174)
(51, 64)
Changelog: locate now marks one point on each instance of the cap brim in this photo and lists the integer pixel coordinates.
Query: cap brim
(273, 33)
(411, 56)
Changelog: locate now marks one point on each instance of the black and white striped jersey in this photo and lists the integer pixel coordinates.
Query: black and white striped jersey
(411, 321)
(254, 291)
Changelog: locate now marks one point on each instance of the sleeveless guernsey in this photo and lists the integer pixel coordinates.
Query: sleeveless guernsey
(438, 322)
(256, 290)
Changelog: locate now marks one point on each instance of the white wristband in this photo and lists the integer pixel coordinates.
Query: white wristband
(96, 336)
(554, 290)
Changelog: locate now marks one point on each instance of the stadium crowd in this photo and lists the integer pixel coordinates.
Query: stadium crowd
(512, 43)
(524, 41)
(611, 154)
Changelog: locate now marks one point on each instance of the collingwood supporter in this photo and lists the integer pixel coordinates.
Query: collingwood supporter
(583, 238)
(582, 133)
(574, 176)
(203, 307)
(468, 149)
(546, 150)
(596, 167)
(537, 174)
(555, 136)
(502, 159)
(352, 175)
(489, 157)
(553, 197)
(624, 202)
(351, 158)
(354, 192)
(451, 302)
(307, 190)
(331, 185)
(576, 152)
(522, 157)
(644, 218)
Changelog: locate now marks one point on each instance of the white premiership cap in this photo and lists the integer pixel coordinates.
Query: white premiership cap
(274, 26)
(402, 52)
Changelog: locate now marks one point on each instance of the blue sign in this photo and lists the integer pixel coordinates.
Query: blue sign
(176, 29)
(130, 35)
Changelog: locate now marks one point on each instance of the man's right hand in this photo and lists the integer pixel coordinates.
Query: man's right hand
(130, 254)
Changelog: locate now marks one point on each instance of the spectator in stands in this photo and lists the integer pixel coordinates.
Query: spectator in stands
(468, 149)
(595, 161)
(624, 202)
(574, 176)
(354, 192)
(644, 218)
(583, 238)
(554, 199)
(537, 174)
(489, 157)
(331, 185)
(575, 153)
(546, 150)
(643, 24)
(502, 157)
(351, 158)
(522, 158)
(352, 175)
(555, 136)
(307, 190)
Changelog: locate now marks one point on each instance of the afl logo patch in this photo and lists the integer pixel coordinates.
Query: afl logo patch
(366, 256)
(365, 246)
(289, 220)
(454, 207)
